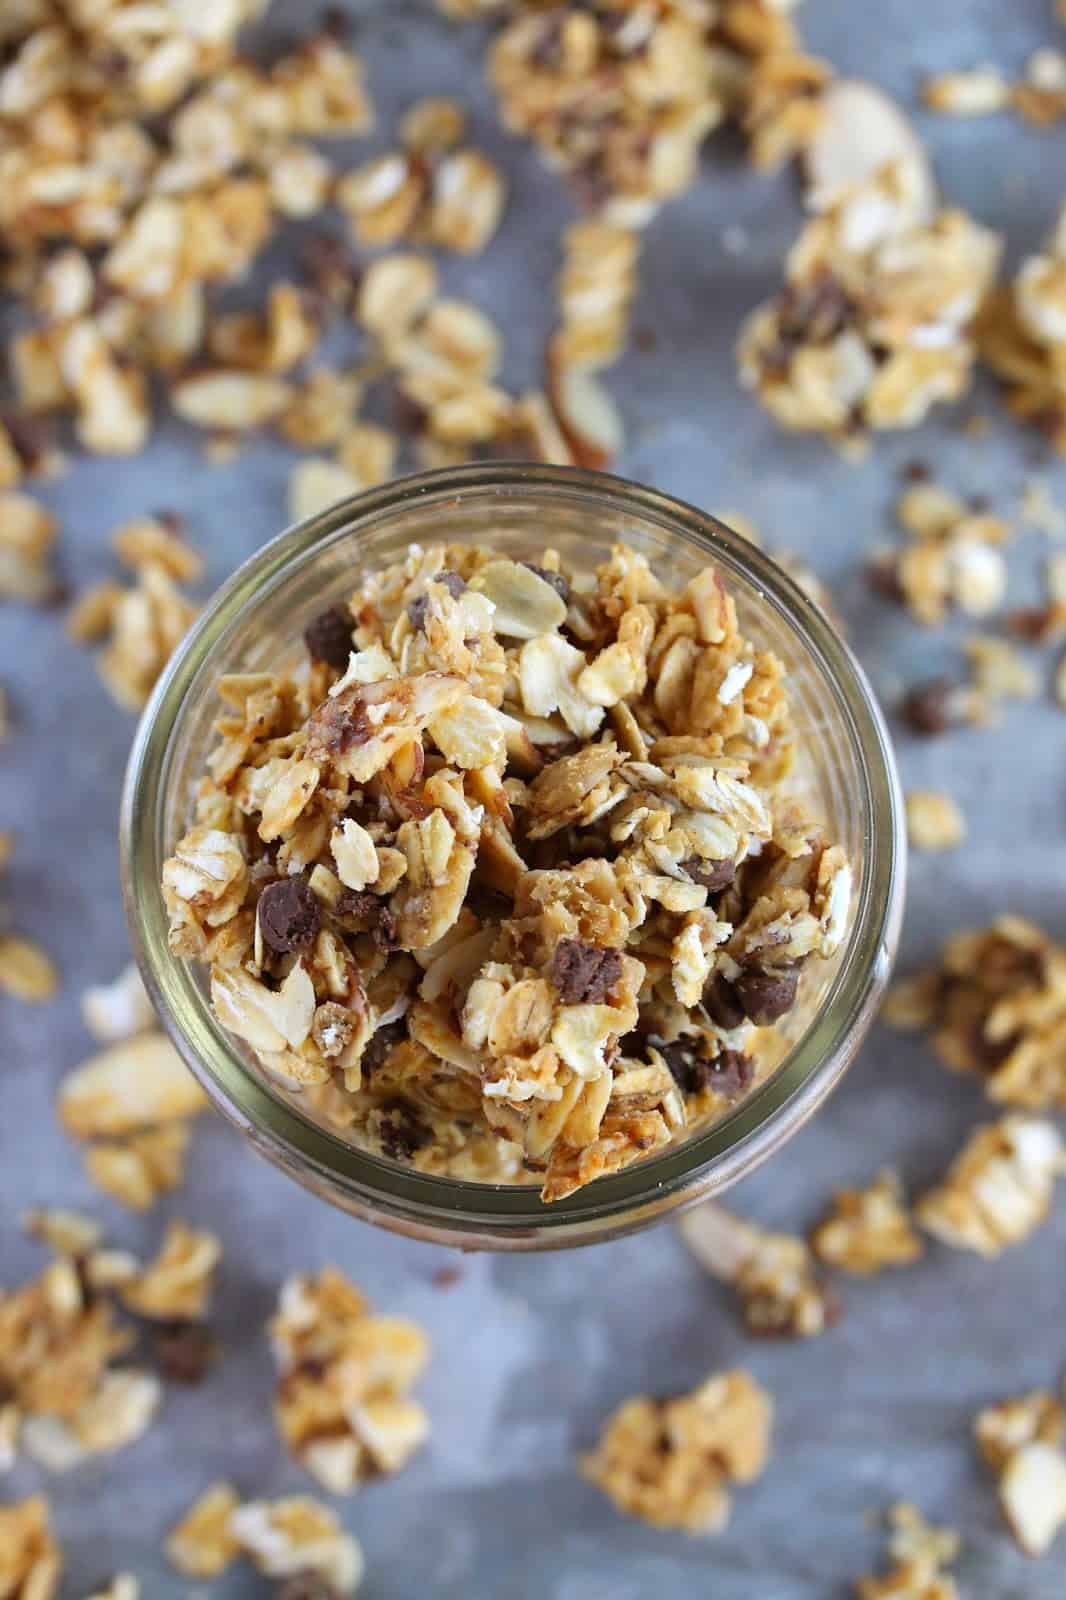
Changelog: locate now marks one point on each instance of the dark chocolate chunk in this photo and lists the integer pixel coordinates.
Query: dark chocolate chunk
(380, 1044)
(694, 1069)
(289, 915)
(360, 906)
(185, 1351)
(766, 996)
(723, 1006)
(555, 579)
(714, 875)
(814, 312)
(584, 974)
(330, 268)
(307, 1586)
(917, 471)
(926, 708)
(418, 607)
(329, 637)
(401, 1131)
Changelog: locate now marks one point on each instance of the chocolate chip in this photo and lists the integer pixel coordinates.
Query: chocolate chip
(360, 906)
(418, 607)
(289, 915)
(331, 269)
(723, 1006)
(766, 996)
(401, 1131)
(380, 1044)
(815, 312)
(926, 708)
(917, 471)
(694, 1069)
(555, 579)
(307, 1586)
(714, 875)
(185, 1351)
(883, 577)
(447, 1277)
(329, 637)
(584, 974)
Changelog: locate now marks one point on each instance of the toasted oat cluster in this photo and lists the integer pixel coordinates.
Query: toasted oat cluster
(774, 1275)
(1023, 338)
(868, 1229)
(294, 1538)
(996, 1007)
(61, 1398)
(342, 1401)
(920, 1553)
(998, 1189)
(1020, 1439)
(508, 878)
(26, 971)
(953, 559)
(31, 1562)
(668, 1462)
(874, 325)
(621, 96)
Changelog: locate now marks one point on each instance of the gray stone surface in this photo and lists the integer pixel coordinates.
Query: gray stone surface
(530, 1354)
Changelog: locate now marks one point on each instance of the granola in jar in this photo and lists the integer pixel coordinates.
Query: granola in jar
(507, 876)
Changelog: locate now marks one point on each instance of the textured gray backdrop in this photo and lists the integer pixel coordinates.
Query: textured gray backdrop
(531, 1354)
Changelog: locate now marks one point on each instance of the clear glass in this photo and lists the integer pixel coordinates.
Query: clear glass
(518, 509)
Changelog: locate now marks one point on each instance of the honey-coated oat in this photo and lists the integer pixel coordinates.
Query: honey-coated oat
(506, 879)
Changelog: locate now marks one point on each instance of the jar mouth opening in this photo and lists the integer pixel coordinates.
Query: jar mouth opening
(455, 1209)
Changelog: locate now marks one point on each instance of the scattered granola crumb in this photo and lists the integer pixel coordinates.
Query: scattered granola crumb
(342, 1402)
(1020, 1439)
(934, 821)
(996, 1006)
(177, 1284)
(142, 625)
(868, 1229)
(952, 561)
(668, 1461)
(1023, 335)
(287, 1538)
(774, 1274)
(28, 534)
(25, 970)
(998, 670)
(203, 1544)
(998, 1189)
(847, 345)
(123, 1586)
(921, 1552)
(118, 1010)
(1039, 510)
(1039, 96)
(31, 1562)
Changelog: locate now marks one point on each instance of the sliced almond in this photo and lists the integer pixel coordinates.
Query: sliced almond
(230, 399)
(860, 132)
(316, 484)
(586, 414)
(526, 605)
(1032, 1492)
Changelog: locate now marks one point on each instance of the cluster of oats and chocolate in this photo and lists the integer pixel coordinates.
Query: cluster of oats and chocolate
(506, 876)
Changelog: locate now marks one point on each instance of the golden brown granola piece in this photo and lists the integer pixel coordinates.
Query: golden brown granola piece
(203, 1544)
(868, 1229)
(31, 1563)
(773, 1274)
(342, 1402)
(298, 1535)
(920, 1552)
(668, 1461)
(998, 1189)
(1023, 338)
(176, 1286)
(1020, 1439)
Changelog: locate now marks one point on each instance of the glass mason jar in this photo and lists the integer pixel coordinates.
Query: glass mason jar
(848, 771)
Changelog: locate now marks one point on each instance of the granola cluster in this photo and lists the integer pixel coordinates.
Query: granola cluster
(295, 1538)
(507, 879)
(621, 96)
(996, 1007)
(25, 970)
(132, 1103)
(342, 1402)
(1023, 338)
(1020, 1440)
(774, 1275)
(920, 1554)
(868, 1229)
(144, 624)
(953, 558)
(669, 1462)
(998, 1189)
(875, 323)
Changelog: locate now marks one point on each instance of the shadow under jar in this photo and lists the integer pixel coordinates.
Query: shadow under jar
(845, 773)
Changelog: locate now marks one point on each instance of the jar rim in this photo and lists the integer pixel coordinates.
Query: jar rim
(454, 1210)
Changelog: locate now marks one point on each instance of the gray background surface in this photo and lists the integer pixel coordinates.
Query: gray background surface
(531, 1354)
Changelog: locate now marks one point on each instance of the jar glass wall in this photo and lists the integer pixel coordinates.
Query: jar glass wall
(846, 770)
